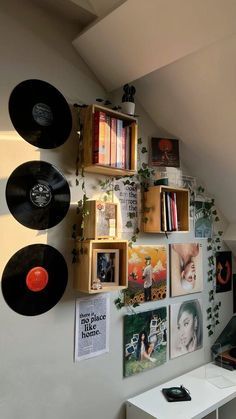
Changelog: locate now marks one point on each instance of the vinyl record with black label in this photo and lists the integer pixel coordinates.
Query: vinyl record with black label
(40, 113)
(34, 279)
(37, 195)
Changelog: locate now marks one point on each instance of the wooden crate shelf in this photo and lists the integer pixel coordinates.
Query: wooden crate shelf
(87, 118)
(84, 269)
(153, 209)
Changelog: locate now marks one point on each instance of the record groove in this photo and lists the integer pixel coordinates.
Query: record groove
(40, 113)
(37, 195)
(34, 279)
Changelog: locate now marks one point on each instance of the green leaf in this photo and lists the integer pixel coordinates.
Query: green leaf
(144, 150)
(129, 224)
(139, 140)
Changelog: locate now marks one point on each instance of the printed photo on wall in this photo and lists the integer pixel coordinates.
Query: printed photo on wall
(203, 219)
(186, 331)
(145, 336)
(164, 152)
(186, 273)
(223, 271)
(146, 274)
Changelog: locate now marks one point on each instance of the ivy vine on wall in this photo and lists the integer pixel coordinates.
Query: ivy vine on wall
(214, 245)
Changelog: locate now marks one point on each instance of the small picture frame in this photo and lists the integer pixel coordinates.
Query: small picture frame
(105, 268)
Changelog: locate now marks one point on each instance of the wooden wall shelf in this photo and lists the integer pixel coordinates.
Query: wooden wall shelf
(87, 118)
(84, 272)
(154, 209)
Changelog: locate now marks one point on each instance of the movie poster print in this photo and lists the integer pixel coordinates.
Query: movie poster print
(223, 271)
(146, 274)
(186, 269)
(145, 340)
(186, 327)
(164, 152)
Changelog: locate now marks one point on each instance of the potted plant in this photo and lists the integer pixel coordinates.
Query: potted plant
(128, 105)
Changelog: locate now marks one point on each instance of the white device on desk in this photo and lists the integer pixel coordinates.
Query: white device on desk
(206, 398)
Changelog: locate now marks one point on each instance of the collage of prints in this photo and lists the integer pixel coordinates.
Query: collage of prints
(145, 333)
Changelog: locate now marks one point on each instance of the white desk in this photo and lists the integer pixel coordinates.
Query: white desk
(206, 397)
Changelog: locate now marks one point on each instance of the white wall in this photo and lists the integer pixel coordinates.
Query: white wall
(38, 377)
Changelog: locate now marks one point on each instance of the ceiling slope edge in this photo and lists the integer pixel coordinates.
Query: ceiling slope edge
(137, 38)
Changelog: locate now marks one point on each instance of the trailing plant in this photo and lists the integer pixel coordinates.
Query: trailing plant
(213, 246)
(81, 209)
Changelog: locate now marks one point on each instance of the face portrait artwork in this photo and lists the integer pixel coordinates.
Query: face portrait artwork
(186, 327)
(146, 274)
(186, 268)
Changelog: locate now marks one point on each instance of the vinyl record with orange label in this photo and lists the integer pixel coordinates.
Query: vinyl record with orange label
(40, 113)
(34, 279)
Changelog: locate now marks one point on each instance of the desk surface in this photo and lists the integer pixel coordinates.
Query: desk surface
(201, 383)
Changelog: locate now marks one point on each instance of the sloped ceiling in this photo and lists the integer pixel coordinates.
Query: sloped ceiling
(181, 56)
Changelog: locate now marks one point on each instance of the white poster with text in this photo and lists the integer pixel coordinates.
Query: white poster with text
(92, 326)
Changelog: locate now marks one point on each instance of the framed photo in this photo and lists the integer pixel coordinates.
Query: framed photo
(105, 268)
(186, 327)
(186, 271)
(146, 274)
(145, 340)
(164, 152)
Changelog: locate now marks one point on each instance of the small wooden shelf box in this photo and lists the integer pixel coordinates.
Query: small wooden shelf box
(85, 272)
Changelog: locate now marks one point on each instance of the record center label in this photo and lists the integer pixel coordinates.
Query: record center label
(40, 195)
(37, 279)
(42, 114)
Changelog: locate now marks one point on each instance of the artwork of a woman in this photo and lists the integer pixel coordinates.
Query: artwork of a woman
(186, 268)
(186, 324)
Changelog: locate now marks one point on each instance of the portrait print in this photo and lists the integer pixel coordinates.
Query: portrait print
(186, 272)
(146, 274)
(223, 271)
(186, 331)
(145, 340)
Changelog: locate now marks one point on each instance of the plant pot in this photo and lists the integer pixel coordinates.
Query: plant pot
(128, 107)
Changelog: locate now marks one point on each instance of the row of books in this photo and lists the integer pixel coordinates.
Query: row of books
(169, 211)
(111, 141)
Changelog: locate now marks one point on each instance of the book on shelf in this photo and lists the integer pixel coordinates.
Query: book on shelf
(119, 143)
(169, 212)
(107, 160)
(112, 139)
(113, 142)
(99, 134)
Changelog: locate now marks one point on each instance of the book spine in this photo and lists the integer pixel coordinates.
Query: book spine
(119, 129)
(99, 137)
(113, 142)
(168, 206)
(127, 147)
(123, 147)
(173, 211)
(108, 141)
(163, 220)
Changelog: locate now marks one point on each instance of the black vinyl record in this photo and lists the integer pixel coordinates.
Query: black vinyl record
(37, 195)
(34, 279)
(40, 113)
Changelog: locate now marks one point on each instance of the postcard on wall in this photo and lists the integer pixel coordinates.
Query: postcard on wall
(223, 271)
(129, 203)
(186, 327)
(186, 269)
(203, 219)
(146, 274)
(91, 326)
(145, 340)
(164, 152)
